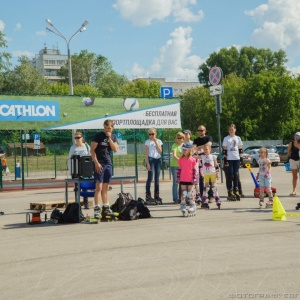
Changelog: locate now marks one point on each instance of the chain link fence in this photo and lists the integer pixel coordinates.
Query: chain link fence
(26, 163)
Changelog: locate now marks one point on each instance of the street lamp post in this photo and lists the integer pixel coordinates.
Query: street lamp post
(57, 32)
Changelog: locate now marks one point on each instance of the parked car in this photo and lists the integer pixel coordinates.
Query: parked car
(282, 150)
(166, 160)
(247, 156)
(247, 159)
(272, 155)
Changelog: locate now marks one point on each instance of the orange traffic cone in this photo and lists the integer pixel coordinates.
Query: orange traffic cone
(278, 213)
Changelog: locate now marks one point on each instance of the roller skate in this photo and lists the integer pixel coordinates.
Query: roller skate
(97, 211)
(237, 195)
(261, 201)
(204, 203)
(107, 214)
(157, 198)
(218, 202)
(198, 199)
(183, 208)
(231, 196)
(210, 195)
(149, 200)
(192, 209)
(269, 204)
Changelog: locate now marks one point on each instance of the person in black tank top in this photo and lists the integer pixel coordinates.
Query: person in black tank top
(293, 152)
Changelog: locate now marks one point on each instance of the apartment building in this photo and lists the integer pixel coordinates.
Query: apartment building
(48, 62)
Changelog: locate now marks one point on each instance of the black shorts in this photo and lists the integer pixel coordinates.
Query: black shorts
(186, 183)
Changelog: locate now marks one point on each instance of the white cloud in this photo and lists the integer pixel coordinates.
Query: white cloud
(175, 59)
(279, 23)
(145, 12)
(40, 33)
(295, 70)
(2, 25)
(278, 27)
(18, 26)
(20, 53)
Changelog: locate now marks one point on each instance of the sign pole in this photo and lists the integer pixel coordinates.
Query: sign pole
(216, 89)
(219, 110)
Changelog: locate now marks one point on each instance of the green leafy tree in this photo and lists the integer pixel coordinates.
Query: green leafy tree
(271, 106)
(25, 79)
(246, 62)
(4, 59)
(141, 88)
(111, 84)
(94, 70)
(4, 56)
(86, 90)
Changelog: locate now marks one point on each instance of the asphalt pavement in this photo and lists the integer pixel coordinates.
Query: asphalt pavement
(236, 252)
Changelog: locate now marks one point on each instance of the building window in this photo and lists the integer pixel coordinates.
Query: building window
(60, 62)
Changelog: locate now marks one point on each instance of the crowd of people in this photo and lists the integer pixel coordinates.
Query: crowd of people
(194, 169)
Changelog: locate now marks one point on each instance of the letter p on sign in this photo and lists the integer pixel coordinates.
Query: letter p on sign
(166, 92)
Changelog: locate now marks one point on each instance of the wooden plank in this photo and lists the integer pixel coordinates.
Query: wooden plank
(50, 205)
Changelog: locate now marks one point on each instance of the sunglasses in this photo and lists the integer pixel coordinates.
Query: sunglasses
(151, 133)
(201, 130)
(78, 137)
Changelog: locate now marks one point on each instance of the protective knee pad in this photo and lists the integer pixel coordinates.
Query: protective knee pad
(184, 194)
(215, 191)
(190, 194)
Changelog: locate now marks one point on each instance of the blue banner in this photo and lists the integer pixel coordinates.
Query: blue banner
(23, 110)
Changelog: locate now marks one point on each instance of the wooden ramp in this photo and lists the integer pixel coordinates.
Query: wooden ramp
(50, 205)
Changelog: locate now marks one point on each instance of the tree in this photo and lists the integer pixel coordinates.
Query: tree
(94, 70)
(246, 62)
(141, 88)
(4, 56)
(271, 106)
(4, 59)
(25, 79)
(111, 84)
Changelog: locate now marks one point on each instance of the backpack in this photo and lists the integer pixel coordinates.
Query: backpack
(56, 215)
(120, 203)
(130, 211)
(72, 212)
(143, 209)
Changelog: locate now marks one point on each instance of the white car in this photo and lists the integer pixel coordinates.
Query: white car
(272, 155)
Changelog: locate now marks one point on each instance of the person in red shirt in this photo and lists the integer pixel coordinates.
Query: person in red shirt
(186, 176)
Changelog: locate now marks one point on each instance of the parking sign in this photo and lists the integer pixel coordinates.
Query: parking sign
(36, 141)
(166, 92)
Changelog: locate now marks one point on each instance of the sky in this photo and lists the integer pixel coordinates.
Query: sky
(153, 38)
